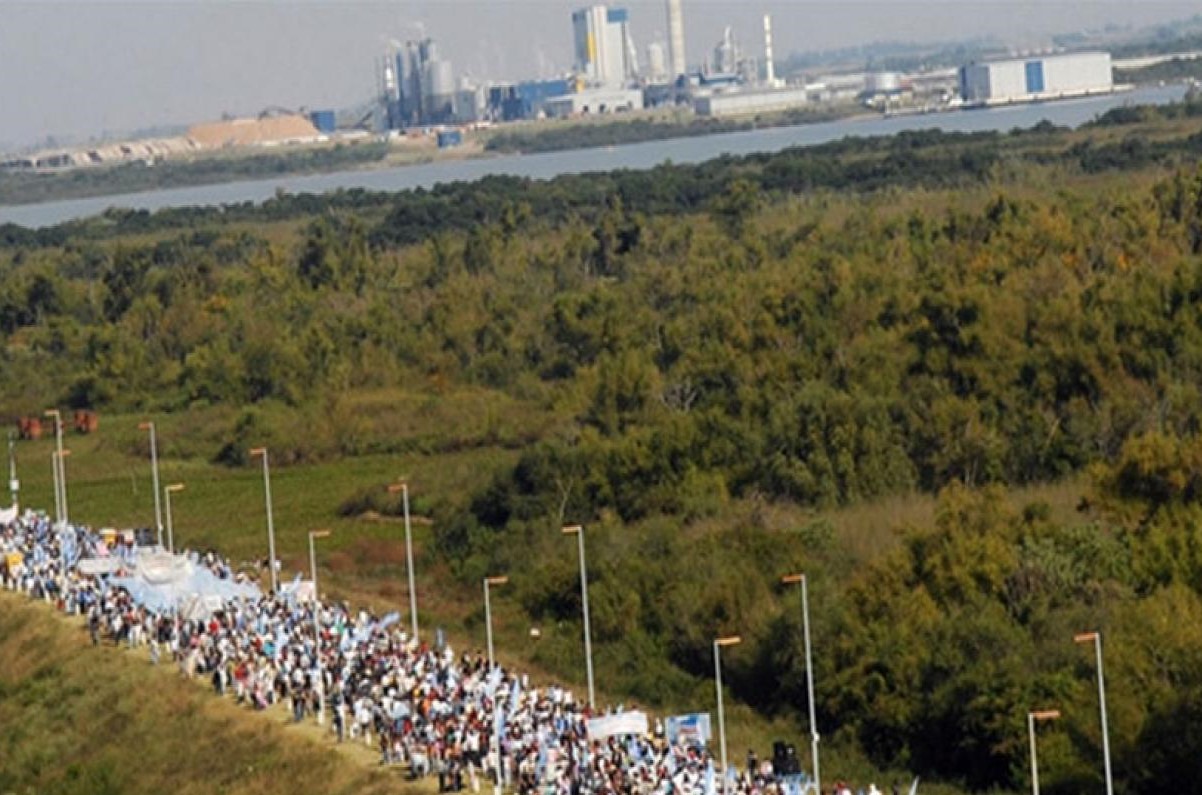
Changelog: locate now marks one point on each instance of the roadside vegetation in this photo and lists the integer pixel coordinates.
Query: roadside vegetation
(953, 377)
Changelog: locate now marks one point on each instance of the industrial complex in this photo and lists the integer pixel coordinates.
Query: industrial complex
(418, 92)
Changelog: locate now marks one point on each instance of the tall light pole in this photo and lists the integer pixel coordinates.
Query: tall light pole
(730, 640)
(790, 579)
(318, 684)
(61, 459)
(1096, 639)
(492, 664)
(262, 451)
(1032, 717)
(154, 471)
(14, 485)
(403, 488)
(58, 495)
(60, 498)
(578, 531)
(172, 489)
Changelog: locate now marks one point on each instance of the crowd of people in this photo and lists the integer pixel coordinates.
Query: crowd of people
(422, 706)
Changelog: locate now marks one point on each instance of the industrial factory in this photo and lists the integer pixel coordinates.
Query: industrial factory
(1034, 79)
(420, 99)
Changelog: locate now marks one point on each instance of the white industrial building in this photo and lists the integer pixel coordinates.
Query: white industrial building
(1031, 79)
(748, 103)
(594, 102)
(604, 50)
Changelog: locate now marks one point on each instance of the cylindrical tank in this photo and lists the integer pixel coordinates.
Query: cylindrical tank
(440, 79)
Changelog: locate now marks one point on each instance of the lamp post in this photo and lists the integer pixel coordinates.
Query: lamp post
(492, 664)
(14, 485)
(60, 492)
(167, 492)
(403, 488)
(1032, 718)
(790, 579)
(318, 684)
(578, 531)
(154, 472)
(730, 640)
(1096, 639)
(60, 457)
(262, 451)
(58, 503)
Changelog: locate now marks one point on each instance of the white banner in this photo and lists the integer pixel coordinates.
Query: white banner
(623, 723)
(693, 729)
(95, 566)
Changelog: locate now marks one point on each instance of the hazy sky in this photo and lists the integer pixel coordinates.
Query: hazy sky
(80, 68)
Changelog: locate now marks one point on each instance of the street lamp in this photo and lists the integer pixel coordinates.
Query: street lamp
(58, 458)
(1032, 717)
(1096, 639)
(262, 451)
(403, 488)
(492, 664)
(318, 683)
(60, 496)
(730, 640)
(790, 579)
(172, 489)
(578, 531)
(14, 485)
(58, 499)
(154, 471)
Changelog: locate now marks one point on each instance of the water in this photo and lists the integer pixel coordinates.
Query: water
(1068, 113)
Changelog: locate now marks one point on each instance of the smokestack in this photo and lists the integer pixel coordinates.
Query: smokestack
(769, 69)
(676, 37)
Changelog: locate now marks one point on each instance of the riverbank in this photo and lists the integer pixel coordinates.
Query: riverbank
(548, 165)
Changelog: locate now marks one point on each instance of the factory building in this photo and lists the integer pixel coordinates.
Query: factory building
(594, 102)
(604, 50)
(1030, 79)
(749, 103)
(418, 87)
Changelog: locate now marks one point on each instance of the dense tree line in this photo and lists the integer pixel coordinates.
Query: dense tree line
(557, 138)
(711, 342)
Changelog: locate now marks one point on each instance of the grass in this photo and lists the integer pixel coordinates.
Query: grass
(76, 719)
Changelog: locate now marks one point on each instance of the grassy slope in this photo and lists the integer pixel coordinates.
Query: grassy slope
(74, 719)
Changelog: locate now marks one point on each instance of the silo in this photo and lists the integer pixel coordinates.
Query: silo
(439, 94)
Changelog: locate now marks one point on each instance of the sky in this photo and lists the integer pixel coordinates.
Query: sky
(80, 69)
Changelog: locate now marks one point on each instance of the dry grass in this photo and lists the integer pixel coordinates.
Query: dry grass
(77, 719)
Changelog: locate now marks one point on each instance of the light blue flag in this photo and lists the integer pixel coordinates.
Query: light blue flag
(515, 693)
(709, 778)
(541, 766)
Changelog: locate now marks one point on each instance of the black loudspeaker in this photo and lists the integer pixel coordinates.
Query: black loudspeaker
(784, 759)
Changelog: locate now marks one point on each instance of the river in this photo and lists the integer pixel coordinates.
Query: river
(1067, 113)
